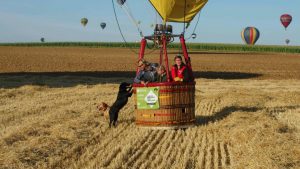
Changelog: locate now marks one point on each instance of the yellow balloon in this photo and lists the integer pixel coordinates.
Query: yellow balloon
(178, 10)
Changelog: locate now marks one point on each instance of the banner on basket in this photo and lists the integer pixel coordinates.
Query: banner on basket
(148, 98)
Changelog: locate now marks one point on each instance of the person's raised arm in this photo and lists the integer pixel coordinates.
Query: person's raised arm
(137, 79)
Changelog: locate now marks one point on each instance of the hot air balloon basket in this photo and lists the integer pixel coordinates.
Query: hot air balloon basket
(165, 105)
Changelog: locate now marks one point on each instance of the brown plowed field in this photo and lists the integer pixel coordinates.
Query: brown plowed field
(114, 61)
(247, 112)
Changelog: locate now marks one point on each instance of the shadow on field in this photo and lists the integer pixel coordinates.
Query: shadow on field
(204, 120)
(220, 53)
(70, 79)
(225, 75)
(62, 79)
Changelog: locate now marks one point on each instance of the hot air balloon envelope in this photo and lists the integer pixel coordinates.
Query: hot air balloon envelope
(287, 41)
(250, 35)
(103, 25)
(178, 10)
(84, 21)
(286, 20)
(121, 2)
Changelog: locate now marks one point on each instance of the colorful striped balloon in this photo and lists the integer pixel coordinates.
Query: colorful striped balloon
(250, 35)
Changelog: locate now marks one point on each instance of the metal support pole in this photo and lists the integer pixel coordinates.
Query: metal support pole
(186, 55)
(142, 51)
(184, 50)
(164, 39)
(161, 56)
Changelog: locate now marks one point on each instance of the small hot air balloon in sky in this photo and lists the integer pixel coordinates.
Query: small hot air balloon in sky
(250, 35)
(287, 41)
(84, 21)
(121, 2)
(103, 25)
(286, 20)
(194, 35)
(42, 40)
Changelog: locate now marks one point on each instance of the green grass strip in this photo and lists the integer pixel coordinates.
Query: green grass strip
(191, 46)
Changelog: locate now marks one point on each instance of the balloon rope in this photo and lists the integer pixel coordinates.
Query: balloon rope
(123, 37)
(120, 30)
(155, 18)
(196, 26)
(184, 13)
(197, 22)
(128, 12)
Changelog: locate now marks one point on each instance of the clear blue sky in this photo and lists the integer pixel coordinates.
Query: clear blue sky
(221, 21)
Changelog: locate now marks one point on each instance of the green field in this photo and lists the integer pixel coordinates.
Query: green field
(191, 46)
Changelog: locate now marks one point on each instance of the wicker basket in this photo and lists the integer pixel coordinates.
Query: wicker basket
(176, 107)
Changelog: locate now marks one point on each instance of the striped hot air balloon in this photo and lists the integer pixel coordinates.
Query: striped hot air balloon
(250, 35)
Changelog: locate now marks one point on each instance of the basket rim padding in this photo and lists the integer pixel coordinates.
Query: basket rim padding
(165, 84)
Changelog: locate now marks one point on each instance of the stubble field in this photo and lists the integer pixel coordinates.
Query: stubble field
(247, 112)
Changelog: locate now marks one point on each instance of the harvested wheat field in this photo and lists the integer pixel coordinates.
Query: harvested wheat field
(247, 112)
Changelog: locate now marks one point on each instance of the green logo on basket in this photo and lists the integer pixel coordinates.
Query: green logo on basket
(151, 99)
(147, 98)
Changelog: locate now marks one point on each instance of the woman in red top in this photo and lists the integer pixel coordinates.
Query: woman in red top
(179, 70)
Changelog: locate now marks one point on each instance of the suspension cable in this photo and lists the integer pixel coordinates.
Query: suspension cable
(123, 37)
(128, 12)
(196, 26)
(184, 13)
(119, 27)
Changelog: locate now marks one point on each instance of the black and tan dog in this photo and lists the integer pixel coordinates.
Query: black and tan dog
(125, 91)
